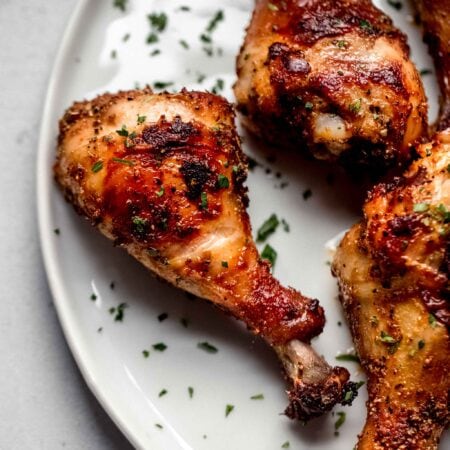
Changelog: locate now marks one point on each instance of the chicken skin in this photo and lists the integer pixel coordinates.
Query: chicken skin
(435, 16)
(332, 77)
(162, 175)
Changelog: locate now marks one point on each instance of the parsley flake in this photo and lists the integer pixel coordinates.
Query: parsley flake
(123, 131)
(141, 119)
(190, 391)
(97, 166)
(162, 84)
(162, 392)
(341, 419)
(145, 353)
(286, 445)
(207, 347)
(160, 193)
(228, 409)
(218, 17)
(267, 228)
(160, 346)
(432, 320)
(395, 4)
(355, 107)
(158, 21)
(203, 200)
(222, 181)
(257, 397)
(121, 4)
(348, 357)
(270, 254)
(162, 317)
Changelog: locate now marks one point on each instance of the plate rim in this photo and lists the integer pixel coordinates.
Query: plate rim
(43, 186)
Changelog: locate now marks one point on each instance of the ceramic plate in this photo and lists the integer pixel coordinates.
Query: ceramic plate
(177, 398)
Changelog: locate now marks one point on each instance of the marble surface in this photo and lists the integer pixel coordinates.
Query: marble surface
(45, 403)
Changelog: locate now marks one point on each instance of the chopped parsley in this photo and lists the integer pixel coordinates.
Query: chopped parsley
(267, 228)
(162, 317)
(162, 392)
(155, 52)
(348, 357)
(126, 37)
(355, 107)
(352, 393)
(432, 320)
(270, 254)
(228, 409)
(141, 119)
(158, 425)
(286, 445)
(158, 21)
(285, 225)
(309, 105)
(123, 131)
(424, 72)
(341, 419)
(386, 338)
(365, 25)
(57, 231)
(119, 312)
(190, 391)
(421, 344)
(121, 4)
(151, 39)
(222, 181)
(145, 353)
(218, 17)
(207, 347)
(218, 86)
(113, 54)
(93, 297)
(342, 44)
(184, 8)
(225, 264)
(272, 7)
(307, 193)
(97, 166)
(184, 44)
(160, 346)
(205, 38)
(162, 84)
(160, 193)
(395, 4)
(139, 224)
(257, 397)
(203, 200)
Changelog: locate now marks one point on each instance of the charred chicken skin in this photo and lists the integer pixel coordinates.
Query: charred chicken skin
(331, 76)
(162, 175)
(435, 16)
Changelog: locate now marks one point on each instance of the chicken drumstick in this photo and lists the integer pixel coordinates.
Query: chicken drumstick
(162, 176)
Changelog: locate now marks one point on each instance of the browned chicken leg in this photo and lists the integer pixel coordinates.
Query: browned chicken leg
(331, 76)
(393, 271)
(162, 175)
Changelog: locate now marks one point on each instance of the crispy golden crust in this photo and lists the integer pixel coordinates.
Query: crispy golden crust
(333, 77)
(435, 15)
(393, 277)
(163, 176)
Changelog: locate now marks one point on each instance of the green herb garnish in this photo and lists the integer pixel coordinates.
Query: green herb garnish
(395, 4)
(365, 25)
(121, 4)
(162, 392)
(286, 445)
(191, 391)
(119, 312)
(123, 131)
(158, 21)
(163, 316)
(222, 181)
(348, 357)
(420, 207)
(57, 231)
(126, 162)
(309, 105)
(225, 264)
(228, 410)
(97, 166)
(218, 17)
(162, 84)
(269, 254)
(267, 228)
(218, 86)
(139, 224)
(203, 200)
(355, 107)
(158, 425)
(432, 320)
(341, 419)
(93, 297)
(386, 338)
(207, 347)
(160, 193)
(160, 346)
(184, 44)
(141, 119)
(146, 353)
(421, 344)
(257, 397)
(151, 39)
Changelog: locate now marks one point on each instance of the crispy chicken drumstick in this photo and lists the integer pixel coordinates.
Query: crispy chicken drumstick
(393, 271)
(331, 76)
(162, 176)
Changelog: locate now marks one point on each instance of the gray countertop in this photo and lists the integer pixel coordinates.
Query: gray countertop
(45, 403)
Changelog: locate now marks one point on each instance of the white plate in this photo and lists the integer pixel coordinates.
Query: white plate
(80, 262)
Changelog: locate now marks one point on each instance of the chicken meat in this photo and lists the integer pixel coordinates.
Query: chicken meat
(162, 175)
(332, 77)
